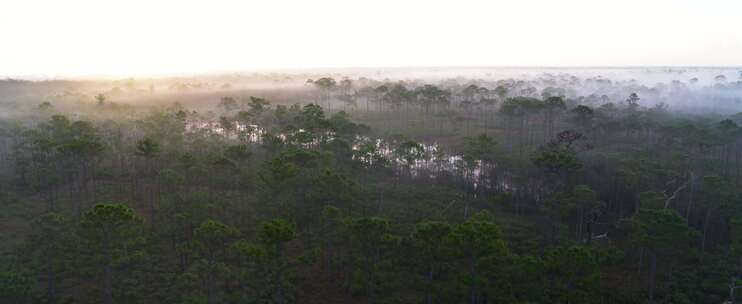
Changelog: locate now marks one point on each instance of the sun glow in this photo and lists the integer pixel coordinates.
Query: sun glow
(79, 37)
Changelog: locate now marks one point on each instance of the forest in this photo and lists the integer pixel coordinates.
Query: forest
(365, 186)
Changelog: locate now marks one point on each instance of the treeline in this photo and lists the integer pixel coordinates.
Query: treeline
(543, 200)
(110, 257)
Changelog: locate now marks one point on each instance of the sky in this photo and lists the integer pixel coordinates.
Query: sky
(151, 37)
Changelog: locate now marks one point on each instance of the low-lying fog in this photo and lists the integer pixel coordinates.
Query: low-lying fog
(682, 89)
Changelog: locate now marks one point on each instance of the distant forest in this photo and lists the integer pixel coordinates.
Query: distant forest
(558, 187)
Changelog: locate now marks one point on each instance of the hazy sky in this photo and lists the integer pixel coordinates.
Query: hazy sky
(79, 37)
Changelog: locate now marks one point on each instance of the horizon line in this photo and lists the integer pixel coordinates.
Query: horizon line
(299, 70)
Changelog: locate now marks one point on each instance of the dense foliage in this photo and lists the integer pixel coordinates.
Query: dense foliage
(364, 191)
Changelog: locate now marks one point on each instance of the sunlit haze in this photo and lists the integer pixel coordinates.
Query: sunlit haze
(135, 37)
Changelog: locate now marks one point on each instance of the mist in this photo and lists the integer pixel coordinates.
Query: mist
(480, 152)
(272, 185)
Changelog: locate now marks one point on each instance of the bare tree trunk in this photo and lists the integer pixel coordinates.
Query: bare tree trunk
(210, 281)
(50, 288)
(107, 271)
(652, 275)
(369, 287)
(732, 287)
(690, 197)
(705, 229)
(428, 292)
